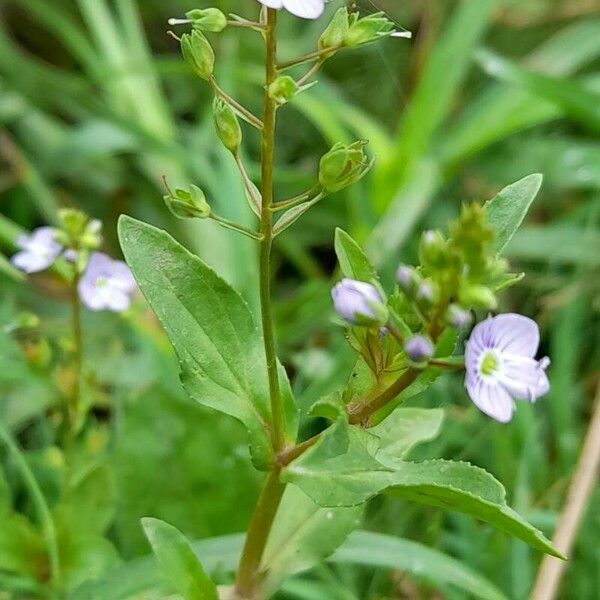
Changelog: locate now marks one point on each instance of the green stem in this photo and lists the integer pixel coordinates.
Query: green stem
(270, 497)
(242, 111)
(318, 55)
(235, 227)
(39, 502)
(266, 226)
(257, 536)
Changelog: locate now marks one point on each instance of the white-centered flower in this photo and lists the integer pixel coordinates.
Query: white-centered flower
(38, 250)
(307, 9)
(107, 284)
(500, 364)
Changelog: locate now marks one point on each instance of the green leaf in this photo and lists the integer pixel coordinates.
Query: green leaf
(507, 210)
(303, 535)
(10, 271)
(352, 259)
(178, 561)
(345, 468)
(212, 330)
(573, 97)
(384, 551)
(407, 427)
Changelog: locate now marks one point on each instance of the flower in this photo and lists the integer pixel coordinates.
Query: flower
(419, 348)
(107, 284)
(307, 9)
(359, 303)
(39, 250)
(500, 364)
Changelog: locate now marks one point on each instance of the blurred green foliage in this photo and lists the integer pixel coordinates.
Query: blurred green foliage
(96, 106)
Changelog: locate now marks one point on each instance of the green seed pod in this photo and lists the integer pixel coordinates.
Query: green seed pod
(207, 19)
(198, 53)
(332, 39)
(368, 29)
(227, 125)
(188, 205)
(343, 166)
(283, 89)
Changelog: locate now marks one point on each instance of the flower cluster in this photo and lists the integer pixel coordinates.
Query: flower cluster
(102, 283)
(457, 276)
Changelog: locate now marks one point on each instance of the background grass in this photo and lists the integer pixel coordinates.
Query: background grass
(96, 105)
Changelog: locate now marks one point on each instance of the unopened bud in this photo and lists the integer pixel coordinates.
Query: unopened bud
(427, 293)
(343, 166)
(477, 297)
(283, 89)
(332, 39)
(78, 230)
(227, 125)
(458, 317)
(359, 303)
(432, 250)
(198, 53)
(408, 279)
(207, 19)
(188, 205)
(419, 349)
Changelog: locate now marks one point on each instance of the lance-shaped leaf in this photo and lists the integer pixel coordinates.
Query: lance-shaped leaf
(353, 261)
(507, 210)
(218, 344)
(333, 477)
(178, 561)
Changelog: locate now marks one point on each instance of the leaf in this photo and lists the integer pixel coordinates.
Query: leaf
(140, 576)
(212, 330)
(407, 427)
(90, 508)
(178, 561)
(507, 210)
(335, 477)
(290, 216)
(7, 269)
(572, 97)
(385, 551)
(352, 259)
(303, 535)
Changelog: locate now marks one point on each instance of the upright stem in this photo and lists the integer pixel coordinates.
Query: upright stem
(266, 226)
(270, 497)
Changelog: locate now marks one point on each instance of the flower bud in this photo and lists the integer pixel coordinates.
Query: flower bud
(332, 38)
(368, 29)
(198, 53)
(477, 297)
(283, 89)
(458, 317)
(227, 125)
(343, 166)
(78, 230)
(432, 250)
(359, 303)
(419, 349)
(188, 205)
(408, 280)
(207, 19)
(427, 293)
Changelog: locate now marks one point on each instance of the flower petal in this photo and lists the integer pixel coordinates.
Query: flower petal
(307, 9)
(490, 398)
(88, 293)
(515, 334)
(272, 3)
(30, 262)
(524, 378)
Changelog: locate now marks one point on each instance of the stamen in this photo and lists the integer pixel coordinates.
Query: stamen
(174, 21)
(489, 364)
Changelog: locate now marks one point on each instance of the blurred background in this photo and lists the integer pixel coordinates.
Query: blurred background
(96, 105)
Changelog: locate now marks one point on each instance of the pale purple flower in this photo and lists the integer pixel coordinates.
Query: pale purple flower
(38, 250)
(501, 368)
(405, 276)
(359, 303)
(419, 348)
(458, 317)
(307, 9)
(107, 284)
